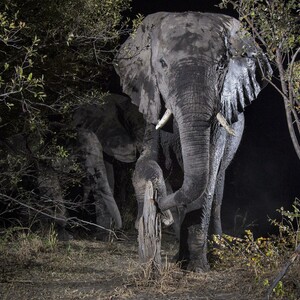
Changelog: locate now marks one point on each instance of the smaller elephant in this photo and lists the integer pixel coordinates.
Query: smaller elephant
(107, 132)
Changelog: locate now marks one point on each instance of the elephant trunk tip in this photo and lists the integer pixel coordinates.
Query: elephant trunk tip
(184, 196)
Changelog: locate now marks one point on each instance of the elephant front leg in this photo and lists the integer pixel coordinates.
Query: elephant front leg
(147, 170)
(197, 240)
(231, 146)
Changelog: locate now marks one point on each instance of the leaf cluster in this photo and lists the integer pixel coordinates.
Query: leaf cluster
(54, 56)
(275, 24)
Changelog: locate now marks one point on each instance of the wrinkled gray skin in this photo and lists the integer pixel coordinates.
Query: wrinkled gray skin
(116, 129)
(196, 65)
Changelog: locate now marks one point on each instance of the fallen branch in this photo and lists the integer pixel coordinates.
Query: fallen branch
(284, 270)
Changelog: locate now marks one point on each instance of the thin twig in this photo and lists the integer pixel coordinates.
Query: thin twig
(283, 271)
(73, 219)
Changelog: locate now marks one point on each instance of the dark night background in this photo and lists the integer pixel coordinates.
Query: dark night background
(265, 172)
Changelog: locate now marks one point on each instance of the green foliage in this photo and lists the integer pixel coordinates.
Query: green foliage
(273, 23)
(17, 82)
(55, 55)
(259, 255)
(289, 225)
(263, 256)
(136, 22)
(51, 239)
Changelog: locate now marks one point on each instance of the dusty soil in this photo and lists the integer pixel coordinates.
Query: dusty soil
(83, 269)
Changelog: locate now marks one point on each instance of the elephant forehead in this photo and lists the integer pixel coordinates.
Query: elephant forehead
(193, 33)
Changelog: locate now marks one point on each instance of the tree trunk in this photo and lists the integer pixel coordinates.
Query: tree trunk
(150, 234)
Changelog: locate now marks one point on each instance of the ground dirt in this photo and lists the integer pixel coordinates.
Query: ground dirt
(89, 269)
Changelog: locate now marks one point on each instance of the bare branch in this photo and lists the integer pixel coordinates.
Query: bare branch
(74, 220)
(283, 271)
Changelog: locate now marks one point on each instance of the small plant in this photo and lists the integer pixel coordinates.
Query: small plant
(51, 239)
(259, 255)
(21, 244)
(289, 225)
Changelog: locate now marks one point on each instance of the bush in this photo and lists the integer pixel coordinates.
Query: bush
(264, 257)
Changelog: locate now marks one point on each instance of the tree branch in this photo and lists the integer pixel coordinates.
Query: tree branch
(73, 219)
(283, 271)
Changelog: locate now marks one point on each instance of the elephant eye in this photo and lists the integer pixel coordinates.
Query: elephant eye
(163, 63)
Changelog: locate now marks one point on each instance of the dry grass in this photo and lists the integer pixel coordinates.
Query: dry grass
(98, 270)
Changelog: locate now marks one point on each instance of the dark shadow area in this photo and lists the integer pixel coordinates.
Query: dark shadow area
(264, 174)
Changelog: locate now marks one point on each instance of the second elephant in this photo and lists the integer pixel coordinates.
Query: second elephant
(108, 131)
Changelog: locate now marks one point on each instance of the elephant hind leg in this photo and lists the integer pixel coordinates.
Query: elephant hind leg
(217, 203)
(231, 146)
(103, 219)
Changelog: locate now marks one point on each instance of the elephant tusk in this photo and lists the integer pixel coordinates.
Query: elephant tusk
(224, 123)
(164, 119)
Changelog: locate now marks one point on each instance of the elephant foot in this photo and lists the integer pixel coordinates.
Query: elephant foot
(197, 249)
(217, 230)
(198, 266)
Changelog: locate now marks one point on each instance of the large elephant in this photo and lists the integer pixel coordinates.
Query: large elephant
(199, 71)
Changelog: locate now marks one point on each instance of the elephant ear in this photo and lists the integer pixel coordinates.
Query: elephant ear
(246, 70)
(133, 65)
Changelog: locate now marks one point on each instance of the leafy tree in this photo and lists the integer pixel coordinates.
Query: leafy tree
(54, 55)
(275, 26)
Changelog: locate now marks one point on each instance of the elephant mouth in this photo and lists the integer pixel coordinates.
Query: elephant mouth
(124, 153)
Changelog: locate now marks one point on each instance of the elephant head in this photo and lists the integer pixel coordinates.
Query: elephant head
(195, 66)
(108, 122)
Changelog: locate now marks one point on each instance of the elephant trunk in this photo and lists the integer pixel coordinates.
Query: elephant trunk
(195, 140)
(97, 181)
(193, 112)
